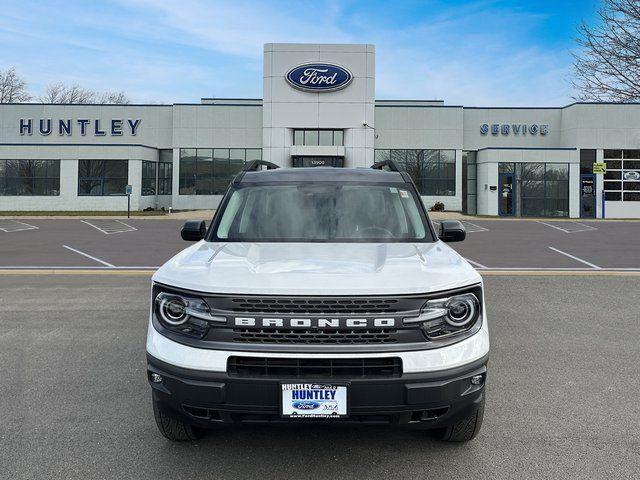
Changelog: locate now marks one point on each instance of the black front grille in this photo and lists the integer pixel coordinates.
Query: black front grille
(317, 337)
(314, 305)
(314, 368)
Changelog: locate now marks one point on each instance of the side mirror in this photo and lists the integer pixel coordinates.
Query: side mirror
(193, 230)
(452, 231)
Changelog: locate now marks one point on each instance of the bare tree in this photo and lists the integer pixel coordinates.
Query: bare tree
(114, 97)
(13, 89)
(607, 67)
(75, 94)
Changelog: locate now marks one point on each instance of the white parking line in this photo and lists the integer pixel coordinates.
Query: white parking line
(476, 264)
(576, 258)
(89, 256)
(9, 226)
(585, 228)
(474, 227)
(110, 226)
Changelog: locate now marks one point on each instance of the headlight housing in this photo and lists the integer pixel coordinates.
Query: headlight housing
(183, 313)
(452, 315)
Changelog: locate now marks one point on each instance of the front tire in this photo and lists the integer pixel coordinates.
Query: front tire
(174, 429)
(464, 430)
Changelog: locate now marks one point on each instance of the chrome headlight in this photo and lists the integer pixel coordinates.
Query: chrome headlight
(448, 316)
(183, 313)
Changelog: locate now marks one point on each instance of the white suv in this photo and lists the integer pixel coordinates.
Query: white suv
(317, 295)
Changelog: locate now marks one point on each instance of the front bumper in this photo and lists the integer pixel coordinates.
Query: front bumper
(428, 399)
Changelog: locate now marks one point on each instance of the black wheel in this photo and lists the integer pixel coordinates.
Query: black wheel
(464, 430)
(173, 429)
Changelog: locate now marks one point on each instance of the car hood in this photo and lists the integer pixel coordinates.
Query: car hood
(317, 268)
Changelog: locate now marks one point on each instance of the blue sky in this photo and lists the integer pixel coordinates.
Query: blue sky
(472, 53)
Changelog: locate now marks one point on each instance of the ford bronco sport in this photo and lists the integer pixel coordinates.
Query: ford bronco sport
(315, 295)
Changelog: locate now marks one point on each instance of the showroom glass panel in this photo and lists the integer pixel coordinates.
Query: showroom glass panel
(149, 172)
(207, 171)
(338, 138)
(187, 171)
(311, 137)
(165, 178)
(325, 138)
(298, 137)
(433, 171)
(543, 189)
(30, 177)
(102, 177)
(221, 168)
(253, 154)
(236, 163)
(204, 171)
(382, 155)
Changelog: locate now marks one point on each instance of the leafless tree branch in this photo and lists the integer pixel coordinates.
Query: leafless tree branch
(607, 66)
(13, 88)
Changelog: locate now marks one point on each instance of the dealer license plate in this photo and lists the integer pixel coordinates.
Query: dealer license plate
(314, 400)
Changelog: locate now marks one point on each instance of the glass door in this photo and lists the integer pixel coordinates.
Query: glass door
(506, 194)
(587, 196)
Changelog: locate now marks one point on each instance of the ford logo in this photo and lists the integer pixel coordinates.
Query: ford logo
(632, 175)
(319, 77)
(306, 405)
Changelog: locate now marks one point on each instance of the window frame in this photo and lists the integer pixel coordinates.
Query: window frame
(102, 178)
(218, 184)
(335, 133)
(418, 167)
(154, 179)
(52, 165)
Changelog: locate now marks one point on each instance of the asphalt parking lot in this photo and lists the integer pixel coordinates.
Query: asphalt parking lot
(490, 244)
(562, 392)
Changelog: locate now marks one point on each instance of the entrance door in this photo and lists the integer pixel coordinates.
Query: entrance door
(506, 194)
(587, 195)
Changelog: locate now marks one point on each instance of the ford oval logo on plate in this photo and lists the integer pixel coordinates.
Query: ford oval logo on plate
(306, 405)
(632, 175)
(319, 77)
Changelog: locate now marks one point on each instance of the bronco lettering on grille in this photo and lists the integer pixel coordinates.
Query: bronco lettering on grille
(319, 323)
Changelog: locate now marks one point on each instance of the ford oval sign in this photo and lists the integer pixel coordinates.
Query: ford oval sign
(319, 77)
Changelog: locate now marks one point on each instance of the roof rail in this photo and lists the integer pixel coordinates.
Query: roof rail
(255, 165)
(393, 166)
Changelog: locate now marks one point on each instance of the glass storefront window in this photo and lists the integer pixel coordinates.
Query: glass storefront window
(433, 171)
(149, 173)
(311, 137)
(29, 177)
(206, 171)
(102, 177)
(542, 189)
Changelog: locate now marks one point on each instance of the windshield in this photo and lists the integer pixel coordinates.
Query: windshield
(321, 212)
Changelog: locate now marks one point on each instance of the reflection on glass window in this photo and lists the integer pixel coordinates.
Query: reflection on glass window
(148, 178)
(29, 177)
(102, 177)
(315, 137)
(542, 189)
(208, 171)
(433, 171)
(622, 178)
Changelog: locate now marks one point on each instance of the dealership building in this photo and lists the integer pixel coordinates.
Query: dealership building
(319, 109)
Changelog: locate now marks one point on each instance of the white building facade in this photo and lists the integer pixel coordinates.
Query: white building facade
(319, 109)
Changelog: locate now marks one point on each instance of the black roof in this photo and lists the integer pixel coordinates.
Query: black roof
(323, 174)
